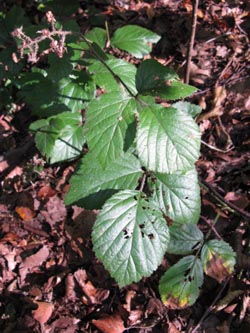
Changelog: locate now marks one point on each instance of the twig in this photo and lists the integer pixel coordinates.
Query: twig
(143, 182)
(191, 43)
(217, 149)
(210, 307)
(223, 201)
(212, 227)
(117, 78)
(217, 37)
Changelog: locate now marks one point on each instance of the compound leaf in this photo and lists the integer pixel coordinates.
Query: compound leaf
(101, 183)
(135, 40)
(218, 259)
(184, 238)
(130, 237)
(178, 195)
(111, 116)
(168, 140)
(179, 286)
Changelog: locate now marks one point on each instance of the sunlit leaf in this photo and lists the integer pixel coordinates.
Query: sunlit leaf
(98, 36)
(60, 137)
(105, 79)
(135, 40)
(178, 195)
(187, 107)
(101, 183)
(130, 236)
(112, 117)
(168, 140)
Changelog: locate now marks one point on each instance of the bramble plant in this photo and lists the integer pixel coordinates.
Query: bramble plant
(139, 169)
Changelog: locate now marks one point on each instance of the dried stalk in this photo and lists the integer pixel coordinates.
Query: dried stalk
(191, 43)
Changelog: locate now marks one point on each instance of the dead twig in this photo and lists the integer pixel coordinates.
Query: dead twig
(191, 43)
(225, 202)
(210, 309)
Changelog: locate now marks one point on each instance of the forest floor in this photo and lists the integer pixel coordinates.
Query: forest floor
(50, 280)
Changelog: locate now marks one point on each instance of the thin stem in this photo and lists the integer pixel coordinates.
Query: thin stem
(224, 202)
(215, 148)
(117, 78)
(212, 226)
(191, 43)
(210, 307)
(108, 34)
(143, 182)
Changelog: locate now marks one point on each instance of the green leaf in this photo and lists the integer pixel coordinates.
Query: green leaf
(98, 36)
(168, 140)
(184, 238)
(187, 107)
(106, 80)
(70, 139)
(60, 137)
(130, 237)
(59, 67)
(47, 98)
(218, 259)
(112, 118)
(151, 76)
(74, 91)
(44, 138)
(155, 79)
(91, 178)
(135, 40)
(178, 195)
(179, 287)
(176, 90)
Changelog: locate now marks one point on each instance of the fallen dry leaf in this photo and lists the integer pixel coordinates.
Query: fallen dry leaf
(43, 312)
(93, 295)
(25, 213)
(55, 211)
(220, 94)
(109, 324)
(33, 261)
(135, 317)
(239, 199)
(46, 192)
